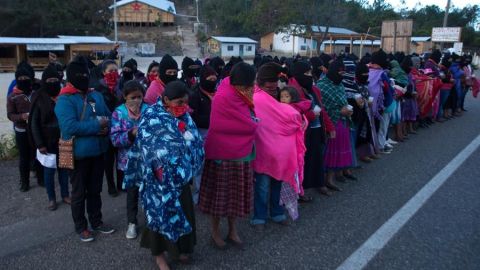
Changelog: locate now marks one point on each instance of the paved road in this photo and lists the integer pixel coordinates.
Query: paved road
(443, 234)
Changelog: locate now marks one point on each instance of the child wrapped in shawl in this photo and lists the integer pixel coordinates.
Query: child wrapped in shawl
(166, 155)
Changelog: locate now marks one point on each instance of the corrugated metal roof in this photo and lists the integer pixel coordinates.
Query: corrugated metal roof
(333, 30)
(355, 42)
(421, 39)
(17, 40)
(87, 39)
(234, 39)
(160, 4)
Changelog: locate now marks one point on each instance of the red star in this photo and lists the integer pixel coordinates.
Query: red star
(136, 6)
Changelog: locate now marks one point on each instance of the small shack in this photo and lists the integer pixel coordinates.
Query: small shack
(420, 45)
(226, 47)
(35, 50)
(343, 45)
(95, 47)
(141, 13)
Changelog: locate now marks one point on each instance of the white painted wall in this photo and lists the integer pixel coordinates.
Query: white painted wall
(284, 43)
(236, 50)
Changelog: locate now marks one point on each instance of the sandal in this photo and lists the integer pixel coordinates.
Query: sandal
(239, 245)
(324, 191)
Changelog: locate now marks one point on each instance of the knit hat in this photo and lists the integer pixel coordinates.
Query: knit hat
(436, 56)
(131, 64)
(300, 67)
(187, 62)
(242, 74)
(79, 65)
(50, 72)
(268, 73)
(24, 69)
(206, 72)
(380, 58)
(167, 63)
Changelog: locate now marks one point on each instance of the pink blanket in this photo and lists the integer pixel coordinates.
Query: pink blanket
(279, 141)
(232, 127)
(154, 92)
(475, 87)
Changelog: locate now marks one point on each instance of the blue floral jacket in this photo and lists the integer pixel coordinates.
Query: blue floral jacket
(121, 125)
(161, 161)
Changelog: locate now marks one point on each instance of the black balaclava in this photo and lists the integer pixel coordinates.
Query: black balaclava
(51, 88)
(407, 64)
(298, 72)
(205, 84)
(436, 56)
(325, 59)
(132, 65)
(187, 71)
(447, 60)
(317, 64)
(167, 63)
(362, 68)
(333, 72)
(76, 71)
(25, 69)
(380, 58)
(217, 64)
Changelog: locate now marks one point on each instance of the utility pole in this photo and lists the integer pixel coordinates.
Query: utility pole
(445, 19)
(197, 11)
(115, 20)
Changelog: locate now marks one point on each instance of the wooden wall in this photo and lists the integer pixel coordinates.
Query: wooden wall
(266, 41)
(139, 13)
(396, 35)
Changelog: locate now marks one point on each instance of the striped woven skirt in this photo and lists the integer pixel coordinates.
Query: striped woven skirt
(338, 154)
(226, 189)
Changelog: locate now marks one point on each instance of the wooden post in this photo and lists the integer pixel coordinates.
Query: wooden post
(331, 45)
(311, 46)
(361, 46)
(18, 53)
(394, 36)
(351, 45)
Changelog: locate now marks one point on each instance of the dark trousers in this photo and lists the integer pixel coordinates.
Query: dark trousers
(132, 205)
(86, 179)
(27, 157)
(110, 158)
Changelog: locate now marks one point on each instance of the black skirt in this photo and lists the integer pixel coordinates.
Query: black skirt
(158, 243)
(314, 171)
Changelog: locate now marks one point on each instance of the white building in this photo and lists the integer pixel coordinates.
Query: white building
(226, 47)
(299, 41)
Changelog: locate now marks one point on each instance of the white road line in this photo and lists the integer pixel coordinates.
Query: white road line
(367, 251)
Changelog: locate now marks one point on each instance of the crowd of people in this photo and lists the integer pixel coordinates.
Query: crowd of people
(234, 140)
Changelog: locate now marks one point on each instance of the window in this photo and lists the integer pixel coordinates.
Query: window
(304, 40)
(249, 48)
(230, 48)
(303, 48)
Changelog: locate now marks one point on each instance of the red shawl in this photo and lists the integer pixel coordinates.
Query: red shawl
(427, 89)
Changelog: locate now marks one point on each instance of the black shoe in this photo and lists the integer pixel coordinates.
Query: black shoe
(350, 176)
(113, 193)
(465, 110)
(341, 179)
(24, 187)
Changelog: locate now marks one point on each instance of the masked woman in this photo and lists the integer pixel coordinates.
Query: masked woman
(46, 132)
(18, 110)
(201, 104)
(167, 153)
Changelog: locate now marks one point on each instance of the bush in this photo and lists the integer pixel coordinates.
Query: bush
(8, 148)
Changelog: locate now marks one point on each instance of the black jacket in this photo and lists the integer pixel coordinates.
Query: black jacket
(201, 106)
(43, 124)
(111, 99)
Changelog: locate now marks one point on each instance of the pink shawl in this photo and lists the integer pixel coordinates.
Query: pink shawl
(475, 87)
(279, 141)
(154, 92)
(231, 134)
